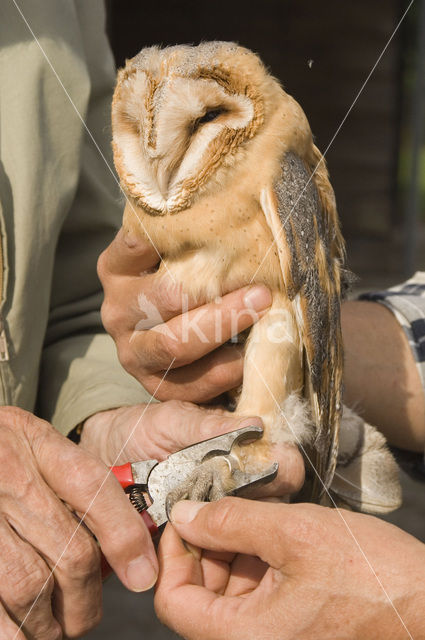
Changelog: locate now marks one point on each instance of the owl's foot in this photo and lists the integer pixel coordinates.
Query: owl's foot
(210, 481)
(366, 476)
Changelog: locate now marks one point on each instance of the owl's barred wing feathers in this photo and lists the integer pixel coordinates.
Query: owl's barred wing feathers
(302, 216)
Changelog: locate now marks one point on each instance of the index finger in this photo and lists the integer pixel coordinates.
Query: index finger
(129, 255)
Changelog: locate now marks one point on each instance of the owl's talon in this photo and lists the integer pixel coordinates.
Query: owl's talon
(208, 482)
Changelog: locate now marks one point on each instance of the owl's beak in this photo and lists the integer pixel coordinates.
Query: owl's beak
(163, 178)
(165, 167)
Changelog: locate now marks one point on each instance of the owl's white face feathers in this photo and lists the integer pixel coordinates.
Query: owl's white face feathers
(182, 112)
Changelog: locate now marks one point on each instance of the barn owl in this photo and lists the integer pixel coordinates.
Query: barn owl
(221, 173)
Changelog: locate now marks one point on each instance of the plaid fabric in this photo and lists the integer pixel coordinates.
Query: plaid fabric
(407, 302)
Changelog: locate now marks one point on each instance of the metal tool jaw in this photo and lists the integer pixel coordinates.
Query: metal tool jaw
(159, 478)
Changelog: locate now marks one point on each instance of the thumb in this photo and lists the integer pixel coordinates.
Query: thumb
(127, 255)
(236, 525)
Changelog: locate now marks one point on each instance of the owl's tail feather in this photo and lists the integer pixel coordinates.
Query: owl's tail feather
(367, 476)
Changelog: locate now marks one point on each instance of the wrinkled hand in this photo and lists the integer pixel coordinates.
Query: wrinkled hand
(39, 469)
(143, 432)
(143, 313)
(286, 572)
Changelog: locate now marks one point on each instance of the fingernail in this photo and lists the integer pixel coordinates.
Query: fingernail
(258, 298)
(185, 511)
(250, 422)
(141, 574)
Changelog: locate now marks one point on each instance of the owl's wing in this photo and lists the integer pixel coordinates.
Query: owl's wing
(300, 210)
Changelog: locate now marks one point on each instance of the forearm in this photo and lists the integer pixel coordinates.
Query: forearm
(381, 378)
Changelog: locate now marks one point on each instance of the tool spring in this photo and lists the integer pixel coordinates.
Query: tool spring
(137, 499)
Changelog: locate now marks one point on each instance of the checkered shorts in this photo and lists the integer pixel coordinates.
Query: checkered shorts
(407, 302)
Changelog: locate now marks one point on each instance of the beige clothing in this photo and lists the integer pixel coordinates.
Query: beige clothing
(59, 208)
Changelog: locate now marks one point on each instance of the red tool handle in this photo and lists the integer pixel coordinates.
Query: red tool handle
(124, 475)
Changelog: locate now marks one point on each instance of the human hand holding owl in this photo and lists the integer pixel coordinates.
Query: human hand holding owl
(128, 272)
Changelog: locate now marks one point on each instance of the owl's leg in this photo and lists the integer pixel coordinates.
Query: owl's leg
(271, 389)
(273, 381)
